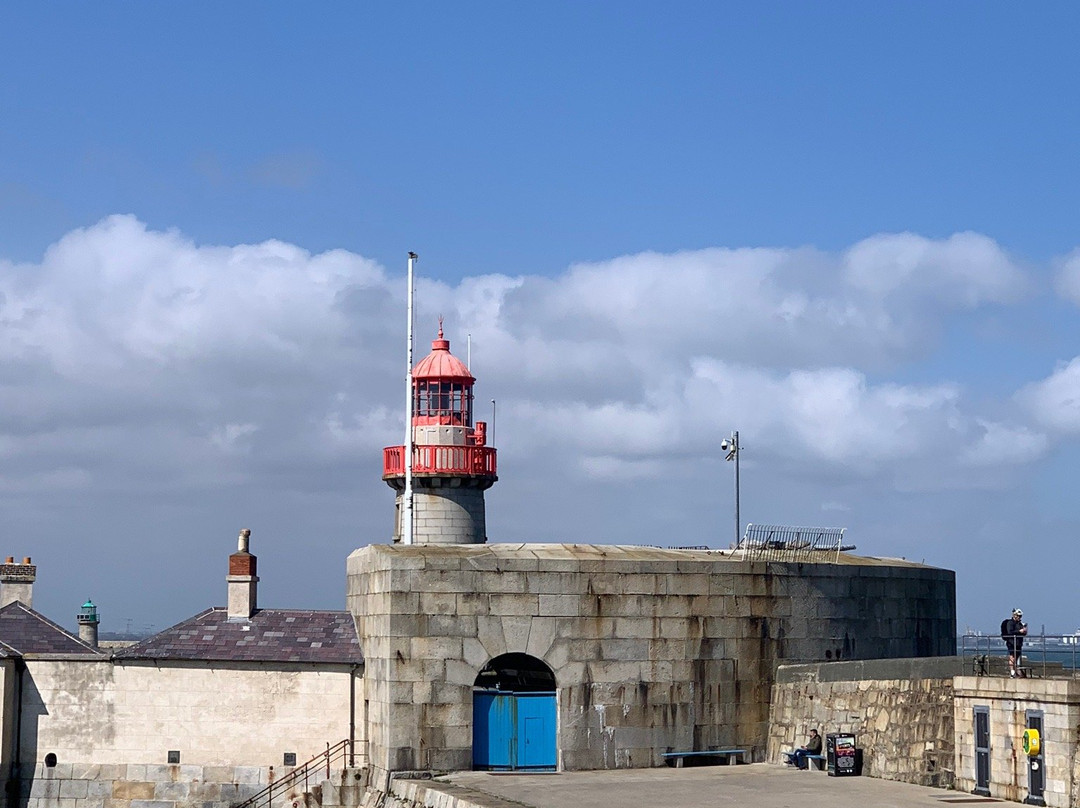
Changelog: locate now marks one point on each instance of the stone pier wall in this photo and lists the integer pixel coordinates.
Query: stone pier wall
(900, 710)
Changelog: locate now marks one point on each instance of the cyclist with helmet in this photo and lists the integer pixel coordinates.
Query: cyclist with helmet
(1013, 631)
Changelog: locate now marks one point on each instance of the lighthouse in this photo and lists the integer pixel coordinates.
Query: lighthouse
(452, 466)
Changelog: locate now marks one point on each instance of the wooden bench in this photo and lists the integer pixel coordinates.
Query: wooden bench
(733, 755)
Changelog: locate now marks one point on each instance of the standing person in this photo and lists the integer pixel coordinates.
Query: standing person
(1013, 632)
(813, 747)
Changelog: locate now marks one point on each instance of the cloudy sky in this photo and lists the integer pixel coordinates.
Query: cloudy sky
(848, 234)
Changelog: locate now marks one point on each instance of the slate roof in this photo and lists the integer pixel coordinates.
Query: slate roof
(270, 635)
(24, 632)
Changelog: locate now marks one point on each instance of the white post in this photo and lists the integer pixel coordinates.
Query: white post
(407, 497)
(738, 519)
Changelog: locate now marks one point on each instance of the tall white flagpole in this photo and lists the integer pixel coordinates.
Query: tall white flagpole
(407, 498)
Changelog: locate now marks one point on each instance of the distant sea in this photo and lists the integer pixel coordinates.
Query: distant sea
(1037, 649)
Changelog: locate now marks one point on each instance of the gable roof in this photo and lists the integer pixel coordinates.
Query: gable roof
(24, 632)
(270, 635)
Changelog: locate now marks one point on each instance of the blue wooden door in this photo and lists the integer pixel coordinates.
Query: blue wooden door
(536, 731)
(514, 731)
(494, 718)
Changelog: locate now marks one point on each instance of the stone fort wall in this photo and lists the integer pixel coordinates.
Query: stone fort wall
(653, 650)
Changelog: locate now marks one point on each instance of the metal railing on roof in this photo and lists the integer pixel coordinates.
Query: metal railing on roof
(1043, 656)
(305, 775)
(792, 544)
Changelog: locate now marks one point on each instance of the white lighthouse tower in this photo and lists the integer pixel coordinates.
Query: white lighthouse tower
(452, 466)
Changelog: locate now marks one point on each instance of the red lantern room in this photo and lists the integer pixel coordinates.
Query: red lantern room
(442, 387)
(451, 464)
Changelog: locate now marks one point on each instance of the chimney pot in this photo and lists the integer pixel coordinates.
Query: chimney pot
(243, 580)
(26, 560)
(17, 582)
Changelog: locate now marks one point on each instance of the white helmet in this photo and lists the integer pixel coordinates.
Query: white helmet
(1018, 612)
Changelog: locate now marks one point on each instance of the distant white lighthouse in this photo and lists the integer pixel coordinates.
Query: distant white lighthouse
(452, 466)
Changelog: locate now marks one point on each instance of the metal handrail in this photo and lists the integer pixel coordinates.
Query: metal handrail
(1043, 655)
(342, 750)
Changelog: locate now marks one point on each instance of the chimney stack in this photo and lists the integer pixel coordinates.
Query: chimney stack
(88, 623)
(243, 582)
(17, 582)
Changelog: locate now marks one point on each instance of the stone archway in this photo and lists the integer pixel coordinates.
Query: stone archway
(514, 715)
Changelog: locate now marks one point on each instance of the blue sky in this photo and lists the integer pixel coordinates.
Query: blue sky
(845, 230)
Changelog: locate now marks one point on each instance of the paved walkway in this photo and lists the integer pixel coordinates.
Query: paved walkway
(760, 785)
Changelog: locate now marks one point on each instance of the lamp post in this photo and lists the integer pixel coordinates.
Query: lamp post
(733, 448)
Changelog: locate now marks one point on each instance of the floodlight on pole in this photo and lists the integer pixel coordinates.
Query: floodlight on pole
(734, 448)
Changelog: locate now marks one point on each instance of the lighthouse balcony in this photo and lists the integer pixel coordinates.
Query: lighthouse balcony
(465, 461)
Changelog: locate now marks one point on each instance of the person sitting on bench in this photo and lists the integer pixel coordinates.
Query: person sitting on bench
(813, 747)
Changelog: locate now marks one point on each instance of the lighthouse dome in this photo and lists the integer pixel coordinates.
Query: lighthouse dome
(441, 364)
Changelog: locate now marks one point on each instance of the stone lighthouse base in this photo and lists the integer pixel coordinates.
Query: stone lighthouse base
(446, 510)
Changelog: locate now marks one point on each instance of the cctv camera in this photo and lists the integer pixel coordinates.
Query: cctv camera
(724, 444)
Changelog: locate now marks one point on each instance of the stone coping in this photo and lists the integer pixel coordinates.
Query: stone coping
(615, 553)
(943, 667)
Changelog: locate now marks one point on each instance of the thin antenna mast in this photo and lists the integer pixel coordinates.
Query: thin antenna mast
(407, 497)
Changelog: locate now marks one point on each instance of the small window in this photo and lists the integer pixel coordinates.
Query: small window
(174, 756)
(290, 758)
(50, 760)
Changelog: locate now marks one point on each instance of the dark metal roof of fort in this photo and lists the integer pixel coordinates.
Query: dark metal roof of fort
(270, 635)
(24, 632)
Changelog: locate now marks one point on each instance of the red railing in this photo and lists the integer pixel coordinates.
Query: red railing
(468, 460)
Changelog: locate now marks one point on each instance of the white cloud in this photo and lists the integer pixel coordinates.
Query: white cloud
(1054, 402)
(231, 437)
(1068, 276)
(966, 269)
(632, 366)
(1003, 444)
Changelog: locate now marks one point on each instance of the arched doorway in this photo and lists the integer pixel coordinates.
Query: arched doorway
(514, 716)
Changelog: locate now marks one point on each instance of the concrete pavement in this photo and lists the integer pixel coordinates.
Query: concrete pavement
(761, 785)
